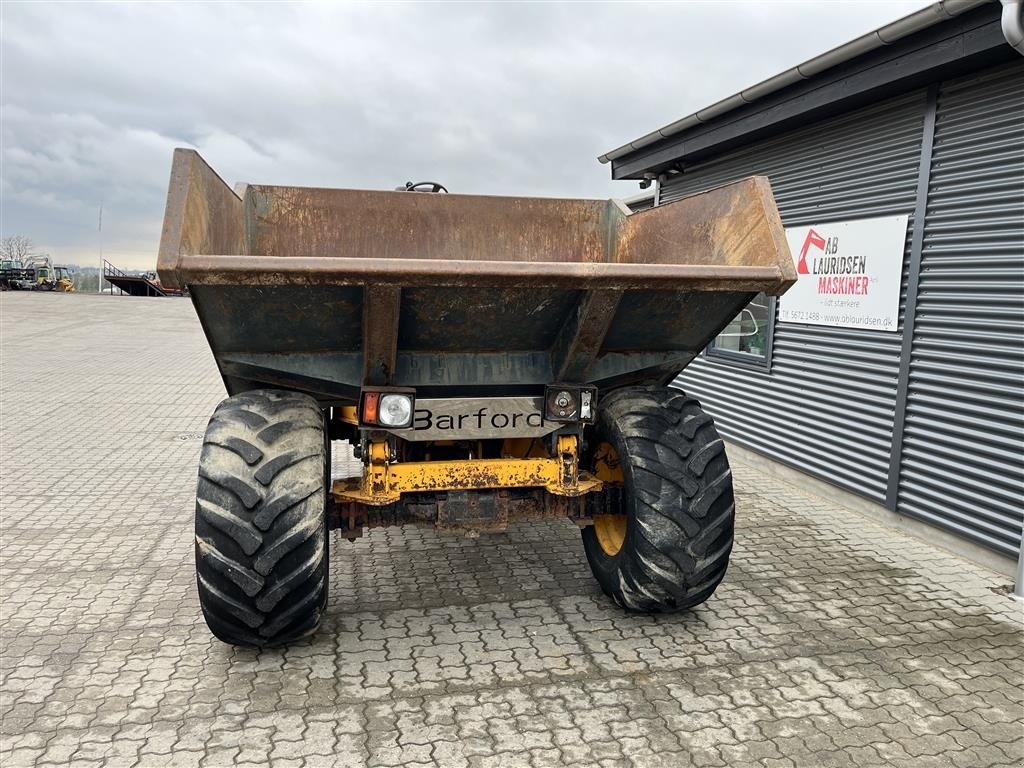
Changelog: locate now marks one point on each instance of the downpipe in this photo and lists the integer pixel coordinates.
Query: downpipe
(1018, 586)
(1013, 29)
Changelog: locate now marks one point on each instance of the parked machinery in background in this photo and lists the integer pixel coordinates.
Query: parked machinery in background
(35, 274)
(60, 280)
(48, 277)
(15, 277)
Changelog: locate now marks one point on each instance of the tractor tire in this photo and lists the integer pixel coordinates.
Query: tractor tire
(261, 523)
(669, 548)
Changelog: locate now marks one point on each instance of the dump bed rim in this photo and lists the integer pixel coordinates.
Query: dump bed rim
(316, 270)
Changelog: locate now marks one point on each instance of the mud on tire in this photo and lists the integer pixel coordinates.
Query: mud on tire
(261, 538)
(677, 499)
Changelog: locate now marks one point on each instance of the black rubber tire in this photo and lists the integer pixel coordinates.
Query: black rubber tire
(261, 524)
(678, 501)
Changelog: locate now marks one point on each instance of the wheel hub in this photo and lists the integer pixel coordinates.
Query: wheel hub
(611, 532)
(610, 529)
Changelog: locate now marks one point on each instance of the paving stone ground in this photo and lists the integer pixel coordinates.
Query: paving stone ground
(834, 641)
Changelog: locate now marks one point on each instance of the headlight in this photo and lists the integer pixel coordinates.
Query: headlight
(395, 411)
(392, 409)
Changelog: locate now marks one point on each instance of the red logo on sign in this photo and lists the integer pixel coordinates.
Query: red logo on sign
(813, 238)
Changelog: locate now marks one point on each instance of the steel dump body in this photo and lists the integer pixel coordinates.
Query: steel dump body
(326, 290)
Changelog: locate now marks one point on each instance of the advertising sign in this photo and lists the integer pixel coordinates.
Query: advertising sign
(848, 273)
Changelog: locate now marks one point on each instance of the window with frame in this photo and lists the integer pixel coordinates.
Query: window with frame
(748, 337)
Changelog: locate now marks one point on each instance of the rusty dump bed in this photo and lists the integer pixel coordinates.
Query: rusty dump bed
(324, 290)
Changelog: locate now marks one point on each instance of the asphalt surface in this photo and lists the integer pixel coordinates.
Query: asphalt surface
(834, 641)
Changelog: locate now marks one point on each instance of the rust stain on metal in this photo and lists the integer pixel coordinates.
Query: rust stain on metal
(380, 332)
(400, 225)
(581, 339)
(728, 226)
(276, 270)
(384, 484)
(202, 216)
(728, 238)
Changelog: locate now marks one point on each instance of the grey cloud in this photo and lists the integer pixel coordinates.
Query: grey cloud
(488, 98)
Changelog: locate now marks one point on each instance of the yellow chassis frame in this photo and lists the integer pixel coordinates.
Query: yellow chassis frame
(384, 481)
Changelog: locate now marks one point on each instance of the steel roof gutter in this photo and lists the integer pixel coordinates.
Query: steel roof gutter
(890, 33)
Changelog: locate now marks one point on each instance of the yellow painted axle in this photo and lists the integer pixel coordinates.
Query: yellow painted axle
(384, 482)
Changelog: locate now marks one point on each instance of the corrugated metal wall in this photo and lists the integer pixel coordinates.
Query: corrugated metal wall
(827, 407)
(963, 448)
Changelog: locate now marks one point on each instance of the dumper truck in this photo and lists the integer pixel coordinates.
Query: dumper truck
(488, 359)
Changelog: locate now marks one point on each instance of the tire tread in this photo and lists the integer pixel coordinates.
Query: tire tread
(679, 500)
(261, 538)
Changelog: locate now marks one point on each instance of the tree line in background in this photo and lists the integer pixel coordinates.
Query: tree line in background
(19, 248)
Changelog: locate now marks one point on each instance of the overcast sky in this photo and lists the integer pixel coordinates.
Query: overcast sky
(510, 98)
